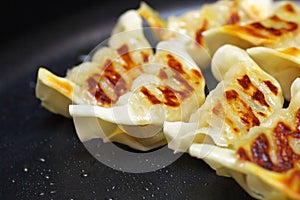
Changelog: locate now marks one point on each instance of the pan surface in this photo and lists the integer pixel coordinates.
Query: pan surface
(41, 155)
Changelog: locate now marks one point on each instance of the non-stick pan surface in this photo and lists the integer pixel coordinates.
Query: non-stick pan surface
(41, 155)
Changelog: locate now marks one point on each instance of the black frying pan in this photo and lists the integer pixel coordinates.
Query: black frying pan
(41, 155)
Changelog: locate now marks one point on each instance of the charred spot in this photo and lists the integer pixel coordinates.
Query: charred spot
(290, 8)
(175, 64)
(231, 95)
(233, 18)
(271, 30)
(97, 91)
(286, 157)
(170, 98)
(249, 30)
(260, 152)
(271, 87)
(244, 111)
(114, 79)
(242, 154)
(110, 74)
(297, 119)
(252, 90)
(259, 97)
(145, 57)
(258, 30)
(162, 74)
(232, 125)
(262, 114)
(197, 73)
(250, 120)
(151, 97)
(288, 26)
(245, 82)
(199, 33)
(123, 51)
(184, 83)
(285, 154)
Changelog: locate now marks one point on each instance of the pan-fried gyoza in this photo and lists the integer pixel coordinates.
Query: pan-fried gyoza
(130, 90)
(245, 97)
(130, 94)
(266, 163)
(280, 30)
(211, 15)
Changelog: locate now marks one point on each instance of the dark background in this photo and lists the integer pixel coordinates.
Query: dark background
(40, 154)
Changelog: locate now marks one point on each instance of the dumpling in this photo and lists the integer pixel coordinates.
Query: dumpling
(245, 97)
(283, 64)
(170, 88)
(267, 162)
(194, 23)
(125, 93)
(281, 30)
(56, 94)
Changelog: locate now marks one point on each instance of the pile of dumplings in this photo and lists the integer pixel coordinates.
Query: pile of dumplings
(146, 99)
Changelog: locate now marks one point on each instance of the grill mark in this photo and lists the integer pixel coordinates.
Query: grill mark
(262, 114)
(114, 81)
(175, 64)
(259, 30)
(97, 91)
(240, 107)
(232, 125)
(271, 87)
(162, 74)
(245, 82)
(259, 97)
(198, 35)
(152, 98)
(286, 157)
(298, 120)
(196, 73)
(185, 84)
(242, 154)
(181, 76)
(145, 56)
(290, 8)
(123, 51)
(233, 18)
(271, 30)
(260, 152)
(170, 98)
(252, 90)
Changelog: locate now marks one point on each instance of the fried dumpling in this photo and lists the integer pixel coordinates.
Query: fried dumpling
(280, 30)
(56, 93)
(193, 23)
(283, 64)
(245, 97)
(266, 163)
(125, 92)
(170, 88)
